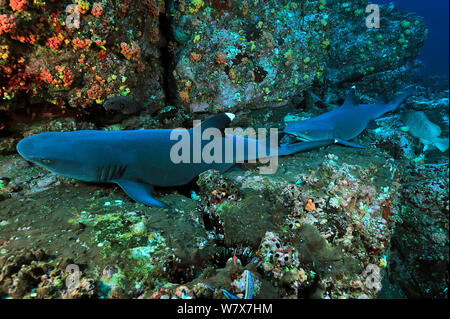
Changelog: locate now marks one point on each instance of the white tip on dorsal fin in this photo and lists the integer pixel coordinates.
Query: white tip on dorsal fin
(231, 116)
(218, 121)
(350, 100)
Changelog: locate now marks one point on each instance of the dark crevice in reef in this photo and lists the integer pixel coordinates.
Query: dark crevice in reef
(186, 189)
(166, 58)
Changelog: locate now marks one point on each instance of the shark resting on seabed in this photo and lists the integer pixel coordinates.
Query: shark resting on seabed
(138, 160)
(346, 122)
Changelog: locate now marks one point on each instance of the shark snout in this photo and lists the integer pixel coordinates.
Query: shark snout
(26, 148)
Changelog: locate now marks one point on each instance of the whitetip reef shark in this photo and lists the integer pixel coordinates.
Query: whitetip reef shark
(137, 160)
(346, 122)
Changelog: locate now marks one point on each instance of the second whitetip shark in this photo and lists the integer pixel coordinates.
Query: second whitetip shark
(346, 122)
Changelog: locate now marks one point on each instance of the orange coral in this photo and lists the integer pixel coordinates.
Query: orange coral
(97, 9)
(102, 55)
(18, 5)
(4, 52)
(184, 96)
(81, 44)
(132, 53)
(68, 77)
(221, 58)
(195, 57)
(182, 6)
(153, 8)
(30, 38)
(47, 77)
(154, 34)
(54, 43)
(7, 23)
(82, 58)
(95, 92)
(125, 6)
(232, 74)
(310, 206)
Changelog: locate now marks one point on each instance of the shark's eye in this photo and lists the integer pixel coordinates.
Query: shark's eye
(46, 161)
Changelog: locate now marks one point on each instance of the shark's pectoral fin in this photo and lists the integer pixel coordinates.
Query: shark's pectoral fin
(140, 192)
(442, 144)
(235, 168)
(347, 143)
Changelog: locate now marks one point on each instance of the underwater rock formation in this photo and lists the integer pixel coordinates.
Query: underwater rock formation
(233, 54)
(79, 54)
(379, 58)
(207, 56)
(333, 223)
(252, 54)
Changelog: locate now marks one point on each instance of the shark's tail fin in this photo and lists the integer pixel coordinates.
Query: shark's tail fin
(399, 100)
(441, 143)
(288, 149)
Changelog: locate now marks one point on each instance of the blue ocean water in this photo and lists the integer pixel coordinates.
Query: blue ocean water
(435, 53)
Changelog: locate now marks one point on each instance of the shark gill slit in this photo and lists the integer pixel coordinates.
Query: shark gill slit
(110, 172)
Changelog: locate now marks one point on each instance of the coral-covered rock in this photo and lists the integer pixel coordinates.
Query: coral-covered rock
(236, 54)
(380, 54)
(80, 54)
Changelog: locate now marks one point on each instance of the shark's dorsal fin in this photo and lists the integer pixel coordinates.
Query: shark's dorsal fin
(351, 100)
(219, 121)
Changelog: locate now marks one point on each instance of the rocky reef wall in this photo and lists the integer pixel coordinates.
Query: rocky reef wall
(202, 56)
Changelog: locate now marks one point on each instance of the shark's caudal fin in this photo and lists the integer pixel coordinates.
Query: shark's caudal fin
(288, 149)
(399, 100)
(441, 143)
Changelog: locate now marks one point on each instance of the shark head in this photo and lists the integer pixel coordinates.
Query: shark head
(53, 152)
(309, 131)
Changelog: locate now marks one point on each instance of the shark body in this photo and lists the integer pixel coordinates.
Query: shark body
(136, 160)
(344, 123)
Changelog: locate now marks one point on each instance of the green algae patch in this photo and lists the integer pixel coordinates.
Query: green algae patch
(147, 263)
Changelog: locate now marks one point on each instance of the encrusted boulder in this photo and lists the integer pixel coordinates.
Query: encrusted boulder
(79, 54)
(236, 54)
